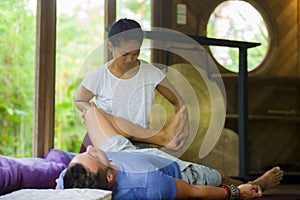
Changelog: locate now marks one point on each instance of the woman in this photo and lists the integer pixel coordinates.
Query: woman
(124, 88)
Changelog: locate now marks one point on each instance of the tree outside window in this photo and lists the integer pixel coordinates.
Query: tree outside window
(238, 20)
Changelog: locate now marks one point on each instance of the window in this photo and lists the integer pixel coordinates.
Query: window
(238, 20)
(17, 64)
(79, 50)
(80, 28)
(139, 10)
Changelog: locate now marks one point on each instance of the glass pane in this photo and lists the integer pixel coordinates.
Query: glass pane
(80, 28)
(17, 63)
(238, 20)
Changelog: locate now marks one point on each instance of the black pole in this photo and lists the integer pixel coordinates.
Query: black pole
(243, 114)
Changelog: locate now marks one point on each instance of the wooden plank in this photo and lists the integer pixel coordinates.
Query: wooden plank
(285, 10)
(43, 138)
(109, 19)
(298, 38)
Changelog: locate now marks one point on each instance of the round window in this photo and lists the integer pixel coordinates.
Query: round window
(238, 20)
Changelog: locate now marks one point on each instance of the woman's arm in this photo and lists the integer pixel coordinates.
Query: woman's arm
(83, 98)
(166, 89)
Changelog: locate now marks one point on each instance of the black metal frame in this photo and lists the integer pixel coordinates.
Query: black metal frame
(242, 88)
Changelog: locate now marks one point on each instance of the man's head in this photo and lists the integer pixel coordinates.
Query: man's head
(88, 170)
(78, 177)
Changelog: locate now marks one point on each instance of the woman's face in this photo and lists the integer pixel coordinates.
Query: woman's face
(126, 55)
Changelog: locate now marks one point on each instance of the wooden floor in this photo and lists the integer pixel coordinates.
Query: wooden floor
(285, 189)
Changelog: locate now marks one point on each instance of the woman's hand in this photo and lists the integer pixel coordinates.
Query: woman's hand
(249, 191)
(180, 130)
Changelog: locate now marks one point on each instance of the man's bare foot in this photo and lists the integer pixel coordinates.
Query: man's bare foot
(176, 130)
(269, 179)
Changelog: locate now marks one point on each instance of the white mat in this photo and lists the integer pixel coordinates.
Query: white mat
(51, 194)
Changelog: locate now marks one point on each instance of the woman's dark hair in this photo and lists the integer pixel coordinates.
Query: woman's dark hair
(77, 177)
(125, 30)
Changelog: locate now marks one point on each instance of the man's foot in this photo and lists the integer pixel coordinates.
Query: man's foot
(269, 179)
(177, 130)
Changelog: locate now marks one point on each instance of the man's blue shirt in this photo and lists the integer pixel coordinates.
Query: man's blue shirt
(144, 176)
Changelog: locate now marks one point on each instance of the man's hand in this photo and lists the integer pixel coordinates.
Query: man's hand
(249, 191)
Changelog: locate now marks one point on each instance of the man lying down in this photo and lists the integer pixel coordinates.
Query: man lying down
(115, 164)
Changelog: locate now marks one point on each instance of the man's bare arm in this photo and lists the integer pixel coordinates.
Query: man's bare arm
(187, 191)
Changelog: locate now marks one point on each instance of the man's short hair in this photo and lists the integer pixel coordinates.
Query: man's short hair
(77, 177)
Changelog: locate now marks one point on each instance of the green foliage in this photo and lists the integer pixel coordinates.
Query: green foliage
(138, 10)
(236, 24)
(140, 7)
(78, 33)
(17, 55)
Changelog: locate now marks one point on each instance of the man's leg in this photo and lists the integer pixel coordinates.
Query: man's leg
(268, 180)
(102, 133)
(98, 127)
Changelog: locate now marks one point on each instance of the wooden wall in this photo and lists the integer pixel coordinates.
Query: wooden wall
(282, 18)
(274, 88)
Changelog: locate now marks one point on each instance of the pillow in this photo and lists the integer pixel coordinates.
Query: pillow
(59, 156)
(20, 173)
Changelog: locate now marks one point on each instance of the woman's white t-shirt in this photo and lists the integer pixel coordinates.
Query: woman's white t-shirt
(130, 99)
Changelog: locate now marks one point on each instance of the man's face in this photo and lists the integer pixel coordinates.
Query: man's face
(126, 55)
(92, 160)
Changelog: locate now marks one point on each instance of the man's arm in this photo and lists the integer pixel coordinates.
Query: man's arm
(187, 191)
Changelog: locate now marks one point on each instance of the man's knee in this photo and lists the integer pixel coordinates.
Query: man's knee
(224, 177)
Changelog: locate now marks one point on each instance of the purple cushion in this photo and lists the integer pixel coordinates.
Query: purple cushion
(20, 173)
(86, 142)
(59, 156)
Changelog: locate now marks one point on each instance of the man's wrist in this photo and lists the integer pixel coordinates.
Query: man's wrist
(232, 192)
(226, 187)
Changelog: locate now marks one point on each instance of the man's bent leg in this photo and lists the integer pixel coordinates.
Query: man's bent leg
(118, 143)
(98, 127)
